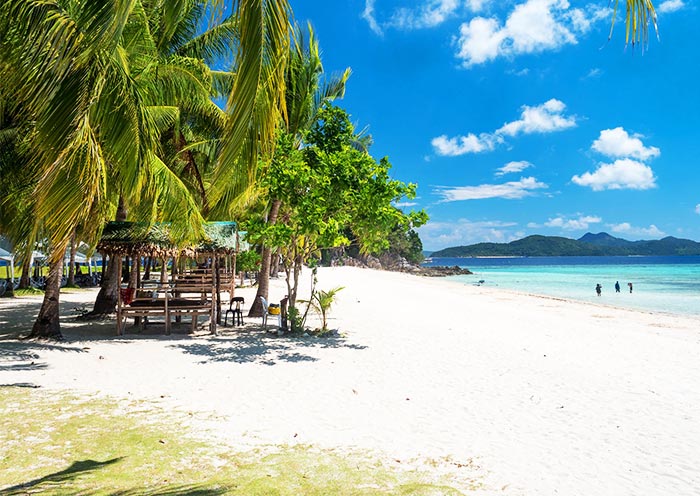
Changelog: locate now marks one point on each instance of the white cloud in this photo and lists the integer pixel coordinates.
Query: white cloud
(697, 209)
(510, 190)
(582, 222)
(437, 235)
(460, 145)
(627, 228)
(368, 15)
(533, 26)
(670, 6)
(405, 204)
(521, 72)
(477, 5)
(621, 174)
(618, 143)
(512, 167)
(428, 14)
(432, 14)
(545, 118)
(593, 73)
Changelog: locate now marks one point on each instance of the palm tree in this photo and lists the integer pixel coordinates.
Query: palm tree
(305, 94)
(321, 302)
(83, 71)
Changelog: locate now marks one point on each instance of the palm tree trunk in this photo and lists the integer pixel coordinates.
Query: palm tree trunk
(71, 266)
(147, 263)
(47, 325)
(106, 300)
(26, 271)
(264, 276)
(274, 263)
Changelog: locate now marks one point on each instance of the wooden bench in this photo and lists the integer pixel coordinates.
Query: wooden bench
(147, 303)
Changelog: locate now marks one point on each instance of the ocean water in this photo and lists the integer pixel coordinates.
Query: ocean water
(666, 284)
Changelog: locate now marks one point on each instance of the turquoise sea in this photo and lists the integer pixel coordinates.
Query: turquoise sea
(667, 284)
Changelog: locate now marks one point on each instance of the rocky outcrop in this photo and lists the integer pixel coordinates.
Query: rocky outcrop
(400, 265)
(442, 271)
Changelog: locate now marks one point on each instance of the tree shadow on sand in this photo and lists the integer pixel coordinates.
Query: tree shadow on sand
(66, 482)
(22, 356)
(256, 347)
(17, 317)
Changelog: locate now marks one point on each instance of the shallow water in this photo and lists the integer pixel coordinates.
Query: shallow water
(668, 284)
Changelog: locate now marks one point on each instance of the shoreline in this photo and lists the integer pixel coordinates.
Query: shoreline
(695, 316)
(544, 395)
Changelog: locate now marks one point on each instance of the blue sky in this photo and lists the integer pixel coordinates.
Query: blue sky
(519, 118)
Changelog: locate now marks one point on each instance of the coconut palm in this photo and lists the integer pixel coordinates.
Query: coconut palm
(321, 302)
(86, 73)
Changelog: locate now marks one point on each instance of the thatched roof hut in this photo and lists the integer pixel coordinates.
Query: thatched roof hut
(156, 240)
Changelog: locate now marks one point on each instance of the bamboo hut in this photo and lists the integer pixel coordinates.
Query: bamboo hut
(199, 271)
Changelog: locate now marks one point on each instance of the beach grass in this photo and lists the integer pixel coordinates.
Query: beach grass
(57, 443)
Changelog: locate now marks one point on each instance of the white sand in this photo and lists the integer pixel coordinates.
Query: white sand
(545, 396)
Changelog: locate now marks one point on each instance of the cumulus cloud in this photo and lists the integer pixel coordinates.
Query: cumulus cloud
(619, 143)
(459, 145)
(621, 174)
(670, 6)
(545, 118)
(630, 230)
(582, 222)
(511, 190)
(533, 26)
(437, 235)
(512, 167)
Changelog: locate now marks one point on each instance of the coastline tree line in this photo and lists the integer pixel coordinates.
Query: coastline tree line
(108, 112)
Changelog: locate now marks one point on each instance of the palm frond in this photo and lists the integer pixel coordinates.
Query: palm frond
(638, 15)
(214, 44)
(257, 100)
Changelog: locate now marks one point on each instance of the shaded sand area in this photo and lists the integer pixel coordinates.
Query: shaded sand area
(530, 395)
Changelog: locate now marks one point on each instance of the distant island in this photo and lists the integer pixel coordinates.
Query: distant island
(601, 244)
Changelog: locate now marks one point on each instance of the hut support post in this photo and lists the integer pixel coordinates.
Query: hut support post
(119, 294)
(217, 287)
(214, 296)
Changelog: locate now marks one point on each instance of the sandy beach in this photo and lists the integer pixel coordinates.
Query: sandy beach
(533, 395)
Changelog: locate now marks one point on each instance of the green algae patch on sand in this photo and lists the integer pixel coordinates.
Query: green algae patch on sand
(56, 443)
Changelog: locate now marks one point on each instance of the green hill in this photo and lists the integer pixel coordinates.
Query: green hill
(601, 244)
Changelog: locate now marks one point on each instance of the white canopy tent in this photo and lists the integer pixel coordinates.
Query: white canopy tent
(81, 259)
(8, 258)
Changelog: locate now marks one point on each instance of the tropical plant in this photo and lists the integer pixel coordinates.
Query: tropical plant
(321, 302)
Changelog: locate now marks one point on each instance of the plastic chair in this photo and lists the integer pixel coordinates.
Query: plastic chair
(266, 312)
(237, 311)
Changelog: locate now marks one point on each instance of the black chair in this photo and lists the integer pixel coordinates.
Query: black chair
(234, 307)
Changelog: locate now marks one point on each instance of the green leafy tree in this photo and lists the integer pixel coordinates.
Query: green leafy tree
(306, 91)
(331, 194)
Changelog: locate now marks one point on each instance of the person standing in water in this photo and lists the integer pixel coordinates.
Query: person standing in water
(630, 286)
(598, 289)
(617, 286)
